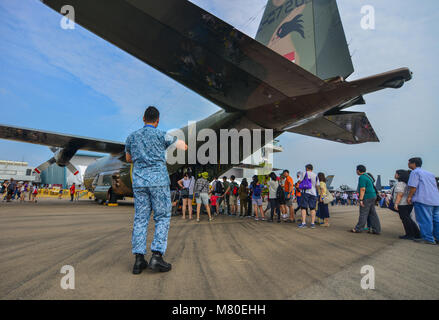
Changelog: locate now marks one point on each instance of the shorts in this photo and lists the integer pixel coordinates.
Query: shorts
(257, 202)
(203, 199)
(213, 200)
(233, 200)
(288, 202)
(308, 201)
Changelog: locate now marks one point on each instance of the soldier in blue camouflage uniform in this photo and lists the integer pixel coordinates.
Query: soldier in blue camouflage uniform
(146, 149)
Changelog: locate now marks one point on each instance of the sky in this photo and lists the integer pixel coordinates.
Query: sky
(72, 81)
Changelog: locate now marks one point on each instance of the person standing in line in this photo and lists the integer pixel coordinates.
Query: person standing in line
(187, 184)
(424, 195)
(146, 150)
(283, 201)
(298, 194)
(226, 197)
(72, 191)
(309, 195)
(31, 187)
(323, 193)
(11, 189)
(4, 190)
(400, 192)
(289, 191)
(34, 193)
(232, 191)
(17, 192)
(273, 185)
(201, 191)
(243, 198)
(22, 192)
(218, 190)
(368, 196)
(256, 189)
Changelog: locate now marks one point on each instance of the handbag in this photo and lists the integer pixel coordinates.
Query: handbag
(375, 188)
(185, 192)
(328, 199)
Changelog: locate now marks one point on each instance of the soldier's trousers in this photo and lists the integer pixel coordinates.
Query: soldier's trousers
(157, 199)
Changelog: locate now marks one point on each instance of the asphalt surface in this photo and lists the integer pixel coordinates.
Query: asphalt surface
(229, 258)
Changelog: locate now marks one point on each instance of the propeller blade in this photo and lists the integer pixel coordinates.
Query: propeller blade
(72, 169)
(44, 165)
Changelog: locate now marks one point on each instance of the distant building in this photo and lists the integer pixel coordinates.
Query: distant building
(61, 176)
(19, 171)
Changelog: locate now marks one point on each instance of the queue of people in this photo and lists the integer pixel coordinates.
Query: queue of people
(228, 197)
(415, 189)
(22, 191)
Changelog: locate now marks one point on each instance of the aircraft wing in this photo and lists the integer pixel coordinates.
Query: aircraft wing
(52, 139)
(196, 49)
(344, 127)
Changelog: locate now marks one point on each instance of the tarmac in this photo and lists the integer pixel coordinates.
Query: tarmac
(228, 258)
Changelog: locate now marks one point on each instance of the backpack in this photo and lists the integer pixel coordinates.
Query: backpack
(235, 190)
(280, 194)
(219, 187)
(306, 183)
(257, 190)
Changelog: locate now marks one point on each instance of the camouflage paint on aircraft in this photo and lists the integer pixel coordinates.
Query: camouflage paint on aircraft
(309, 33)
(287, 28)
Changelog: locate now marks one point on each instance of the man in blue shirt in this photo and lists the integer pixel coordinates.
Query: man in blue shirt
(424, 195)
(146, 149)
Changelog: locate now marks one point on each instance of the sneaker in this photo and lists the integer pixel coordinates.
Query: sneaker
(211, 219)
(313, 226)
(256, 219)
(302, 225)
(406, 237)
(198, 220)
(424, 241)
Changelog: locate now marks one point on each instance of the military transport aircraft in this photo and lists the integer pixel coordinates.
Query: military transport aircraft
(291, 78)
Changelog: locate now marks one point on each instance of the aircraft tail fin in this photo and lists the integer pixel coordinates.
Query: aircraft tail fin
(309, 33)
(329, 181)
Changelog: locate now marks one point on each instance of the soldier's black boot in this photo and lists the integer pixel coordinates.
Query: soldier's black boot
(140, 264)
(158, 264)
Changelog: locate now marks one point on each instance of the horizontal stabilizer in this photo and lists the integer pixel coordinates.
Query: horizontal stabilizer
(343, 127)
(53, 139)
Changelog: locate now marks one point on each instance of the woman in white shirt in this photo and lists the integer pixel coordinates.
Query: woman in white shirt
(273, 185)
(399, 194)
(187, 184)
